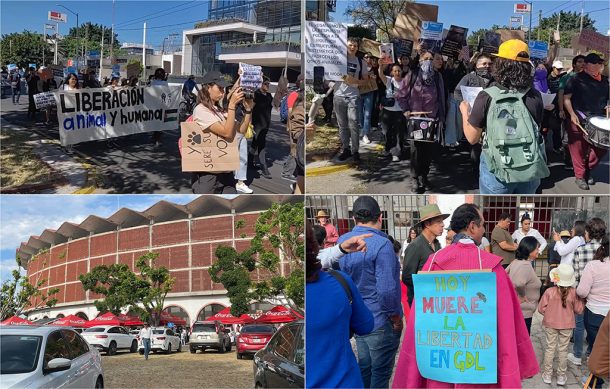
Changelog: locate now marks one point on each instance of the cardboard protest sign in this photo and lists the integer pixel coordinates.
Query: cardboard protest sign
(44, 100)
(402, 47)
(369, 86)
(133, 70)
(506, 35)
(386, 53)
(370, 46)
(251, 76)
(456, 326)
(102, 113)
(538, 49)
(431, 36)
(455, 40)
(326, 45)
(408, 23)
(490, 43)
(204, 151)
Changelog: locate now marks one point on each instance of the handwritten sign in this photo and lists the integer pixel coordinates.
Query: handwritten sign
(538, 49)
(251, 76)
(204, 151)
(326, 46)
(456, 326)
(102, 113)
(44, 100)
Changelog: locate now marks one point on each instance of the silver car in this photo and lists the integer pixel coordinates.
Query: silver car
(47, 357)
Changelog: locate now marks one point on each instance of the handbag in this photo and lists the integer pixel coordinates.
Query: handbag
(389, 101)
(249, 132)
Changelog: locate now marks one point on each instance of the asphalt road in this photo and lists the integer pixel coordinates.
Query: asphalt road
(131, 164)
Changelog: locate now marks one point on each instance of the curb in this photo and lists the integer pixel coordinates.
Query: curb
(86, 190)
(321, 171)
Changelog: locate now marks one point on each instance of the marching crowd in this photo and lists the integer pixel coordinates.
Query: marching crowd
(418, 104)
(353, 282)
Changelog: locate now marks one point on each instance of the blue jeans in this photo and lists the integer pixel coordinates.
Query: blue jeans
(489, 184)
(242, 173)
(146, 343)
(592, 323)
(579, 335)
(376, 355)
(366, 112)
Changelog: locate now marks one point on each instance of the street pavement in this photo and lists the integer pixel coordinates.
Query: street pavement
(451, 172)
(131, 164)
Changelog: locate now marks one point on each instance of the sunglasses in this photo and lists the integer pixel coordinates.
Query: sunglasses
(266, 83)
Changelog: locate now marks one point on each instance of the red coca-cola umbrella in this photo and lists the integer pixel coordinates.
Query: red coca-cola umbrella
(130, 320)
(225, 317)
(16, 321)
(279, 314)
(169, 318)
(69, 321)
(107, 319)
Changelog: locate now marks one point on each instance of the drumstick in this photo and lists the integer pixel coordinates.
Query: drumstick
(583, 130)
(420, 113)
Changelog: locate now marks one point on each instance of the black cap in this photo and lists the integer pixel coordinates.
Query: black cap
(366, 206)
(215, 78)
(593, 58)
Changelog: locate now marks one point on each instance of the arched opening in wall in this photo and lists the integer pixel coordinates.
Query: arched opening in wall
(175, 310)
(59, 316)
(45, 317)
(257, 309)
(82, 316)
(209, 310)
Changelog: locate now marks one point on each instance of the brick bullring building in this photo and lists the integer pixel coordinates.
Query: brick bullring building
(185, 236)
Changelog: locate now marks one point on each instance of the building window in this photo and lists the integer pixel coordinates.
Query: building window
(209, 310)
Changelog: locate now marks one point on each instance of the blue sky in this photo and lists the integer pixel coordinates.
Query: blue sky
(163, 17)
(480, 14)
(25, 215)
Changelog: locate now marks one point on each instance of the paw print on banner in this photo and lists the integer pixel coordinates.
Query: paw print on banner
(194, 138)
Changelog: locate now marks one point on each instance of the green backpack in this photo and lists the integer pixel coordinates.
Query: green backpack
(510, 144)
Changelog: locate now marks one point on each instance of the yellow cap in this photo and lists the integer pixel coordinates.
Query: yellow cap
(511, 49)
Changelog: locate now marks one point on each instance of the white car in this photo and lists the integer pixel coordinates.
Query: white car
(163, 339)
(110, 339)
(47, 357)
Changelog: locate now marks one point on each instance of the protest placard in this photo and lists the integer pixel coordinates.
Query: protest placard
(386, 53)
(44, 100)
(251, 76)
(102, 113)
(455, 40)
(431, 36)
(490, 43)
(402, 47)
(11, 67)
(326, 45)
(57, 70)
(506, 35)
(408, 23)
(538, 49)
(369, 46)
(470, 93)
(456, 326)
(204, 151)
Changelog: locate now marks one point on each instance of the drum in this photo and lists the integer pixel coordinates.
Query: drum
(597, 131)
(422, 129)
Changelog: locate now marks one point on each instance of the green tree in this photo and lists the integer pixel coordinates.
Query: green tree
(155, 283)
(475, 36)
(88, 36)
(569, 25)
(281, 229)
(378, 13)
(360, 32)
(17, 294)
(24, 48)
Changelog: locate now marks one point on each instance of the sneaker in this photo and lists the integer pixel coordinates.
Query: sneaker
(344, 155)
(574, 360)
(582, 184)
(356, 158)
(395, 158)
(366, 140)
(562, 379)
(546, 378)
(243, 188)
(591, 181)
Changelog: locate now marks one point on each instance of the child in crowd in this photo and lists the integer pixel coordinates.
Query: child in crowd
(558, 305)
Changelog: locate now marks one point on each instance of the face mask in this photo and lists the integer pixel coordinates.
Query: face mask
(540, 73)
(426, 66)
(483, 72)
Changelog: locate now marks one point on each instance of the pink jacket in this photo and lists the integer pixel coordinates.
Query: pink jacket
(516, 356)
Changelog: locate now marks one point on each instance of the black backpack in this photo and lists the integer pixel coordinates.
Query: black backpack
(337, 276)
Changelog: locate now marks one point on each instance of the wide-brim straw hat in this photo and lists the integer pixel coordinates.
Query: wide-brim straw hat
(563, 275)
(565, 234)
(430, 211)
(322, 214)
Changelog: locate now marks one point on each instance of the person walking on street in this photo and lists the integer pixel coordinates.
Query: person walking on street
(392, 120)
(32, 81)
(261, 121)
(146, 335)
(15, 80)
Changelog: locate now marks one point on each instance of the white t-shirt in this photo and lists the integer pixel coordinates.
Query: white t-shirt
(68, 87)
(391, 92)
(518, 235)
(353, 70)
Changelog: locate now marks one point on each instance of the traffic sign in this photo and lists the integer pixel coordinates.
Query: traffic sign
(516, 19)
(58, 16)
(523, 8)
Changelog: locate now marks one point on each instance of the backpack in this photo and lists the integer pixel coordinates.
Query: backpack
(284, 110)
(512, 144)
(348, 292)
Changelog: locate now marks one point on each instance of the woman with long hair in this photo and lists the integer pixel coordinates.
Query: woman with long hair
(524, 278)
(392, 120)
(566, 250)
(526, 229)
(71, 82)
(209, 115)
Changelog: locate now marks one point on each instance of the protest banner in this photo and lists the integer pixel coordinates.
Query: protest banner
(402, 47)
(386, 53)
(455, 41)
(204, 151)
(44, 100)
(133, 70)
(251, 76)
(408, 23)
(326, 45)
(102, 113)
(431, 36)
(456, 326)
(538, 49)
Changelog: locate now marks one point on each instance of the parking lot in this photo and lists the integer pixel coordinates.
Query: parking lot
(177, 370)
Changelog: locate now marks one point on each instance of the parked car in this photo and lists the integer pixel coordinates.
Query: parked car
(110, 339)
(163, 339)
(48, 357)
(209, 334)
(281, 364)
(253, 338)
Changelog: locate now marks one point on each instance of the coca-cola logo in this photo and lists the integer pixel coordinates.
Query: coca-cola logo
(105, 318)
(275, 313)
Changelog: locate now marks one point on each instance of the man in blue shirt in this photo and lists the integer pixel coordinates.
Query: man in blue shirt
(376, 274)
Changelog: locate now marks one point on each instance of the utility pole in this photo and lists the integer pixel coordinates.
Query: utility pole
(529, 31)
(582, 13)
(112, 34)
(539, 23)
(101, 55)
(44, 41)
(56, 38)
(144, 54)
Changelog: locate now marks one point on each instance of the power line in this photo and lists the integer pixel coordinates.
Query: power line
(142, 18)
(160, 16)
